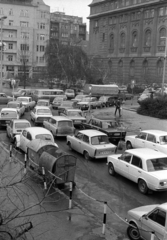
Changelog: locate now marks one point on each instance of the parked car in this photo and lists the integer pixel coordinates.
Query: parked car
(91, 143)
(27, 102)
(65, 105)
(18, 105)
(6, 115)
(47, 94)
(70, 93)
(103, 100)
(146, 220)
(154, 139)
(39, 114)
(44, 103)
(79, 98)
(4, 99)
(58, 100)
(88, 102)
(144, 166)
(110, 101)
(22, 92)
(113, 128)
(15, 127)
(31, 133)
(75, 115)
(59, 126)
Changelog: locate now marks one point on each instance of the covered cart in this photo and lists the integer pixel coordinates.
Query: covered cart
(59, 166)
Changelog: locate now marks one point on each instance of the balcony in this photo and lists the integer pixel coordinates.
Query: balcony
(133, 49)
(111, 50)
(122, 50)
(147, 49)
(161, 48)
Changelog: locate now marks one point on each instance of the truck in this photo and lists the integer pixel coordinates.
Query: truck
(101, 90)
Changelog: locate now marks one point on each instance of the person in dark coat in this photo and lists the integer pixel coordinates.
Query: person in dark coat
(118, 106)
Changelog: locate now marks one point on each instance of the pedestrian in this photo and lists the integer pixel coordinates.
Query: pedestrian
(118, 106)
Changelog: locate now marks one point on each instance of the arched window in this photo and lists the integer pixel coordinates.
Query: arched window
(111, 44)
(162, 34)
(134, 39)
(160, 67)
(120, 72)
(145, 67)
(148, 38)
(110, 66)
(132, 68)
(122, 40)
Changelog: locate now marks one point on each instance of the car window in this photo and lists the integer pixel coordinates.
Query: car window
(136, 161)
(65, 124)
(86, 139)
(163, 140)
(29, 137)
(79, 136)
(126, 157)
(142, 135)
(157, 164)
(52, 121)
(158, 216)
(97, 140)
(151, 138)
(24, 133)
(46, 137)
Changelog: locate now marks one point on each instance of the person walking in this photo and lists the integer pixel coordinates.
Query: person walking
(118, 106)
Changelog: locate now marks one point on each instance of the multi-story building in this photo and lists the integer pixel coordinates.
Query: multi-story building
(67, 29)
(25, 32)
(129, 36)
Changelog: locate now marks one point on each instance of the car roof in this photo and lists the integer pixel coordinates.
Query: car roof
(14, 102)
(9, 109)
(42, 107)
(156, 132)
(74, 109)
(43, 100)
(23, 97)
(146, 153)
(92, 133)
(38, 130)
(58, 118)
(20, 120)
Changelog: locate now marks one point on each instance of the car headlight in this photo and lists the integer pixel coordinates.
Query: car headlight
(163, 183)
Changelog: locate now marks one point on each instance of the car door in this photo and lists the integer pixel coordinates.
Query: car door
(154, 222)
(77, 144)
(53, 126)
(122, 164)
(86, 145)
(27, 139)
(3, 99)
(33, 112)
(47, 123)
(151, 141)
(23, 137)
(135, 169)
(140, 140)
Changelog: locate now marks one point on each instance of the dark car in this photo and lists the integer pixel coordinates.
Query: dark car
(113, 128)
(4, 99)
(65, 105)
(110, 101)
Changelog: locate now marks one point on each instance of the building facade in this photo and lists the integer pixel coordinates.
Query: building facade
(129, 36)
(25, 32)
(68, 29)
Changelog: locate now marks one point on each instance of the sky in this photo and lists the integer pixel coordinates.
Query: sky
(71, 7)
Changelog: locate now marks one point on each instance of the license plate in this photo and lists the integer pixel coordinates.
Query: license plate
(116, 134)
(106, 152)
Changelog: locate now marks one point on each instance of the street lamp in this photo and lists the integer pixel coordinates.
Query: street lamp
(1, 19)
(164, 69)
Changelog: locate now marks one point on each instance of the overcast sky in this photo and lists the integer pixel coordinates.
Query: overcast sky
(71, 7)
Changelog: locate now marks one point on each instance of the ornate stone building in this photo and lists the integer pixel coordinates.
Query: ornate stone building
(130, 38)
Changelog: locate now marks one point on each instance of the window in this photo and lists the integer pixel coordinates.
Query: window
(42, 37)
(160, 68)
(127, 2)
(152, 13)
(132, 68)
(136, 161)
(103, 37)
(134, 39)
(43, 14)
(122, 40)
(10, 58)
(126, 157)
(24, 24)
(148, 38)
(29, 137)
(10, 46)
(24, 35)
(11, 12)
(86, 139)
(146, 14)
(162, 35)
(10, 22)
(41, 59)
(161, 12)
(1, 11)
(158, 216)
(111, 42)
(24, 47)
(142, 135)
(42, 48)
(41, 25)
(79, 136)
(145, 67)
(96, 23)
(151, 138)
(10, 34)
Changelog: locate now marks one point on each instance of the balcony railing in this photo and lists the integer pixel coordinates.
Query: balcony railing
(147, 49)
(122, 50)
(111, 50)
(161, 48)
(134, 49)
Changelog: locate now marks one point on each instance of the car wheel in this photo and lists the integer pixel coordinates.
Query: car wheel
(142, 185)
(70, 147)
(133, 232)
(128, 145)
(86, 156)
(111, 169)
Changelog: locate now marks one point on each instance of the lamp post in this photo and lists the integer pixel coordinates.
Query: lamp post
(1, 19)
(164, 69)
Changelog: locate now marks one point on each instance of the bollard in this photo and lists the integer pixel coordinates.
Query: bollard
(44, 178)
(25, 163)
(10, 153)
(70, 198)
(104, 217)
(152, 235)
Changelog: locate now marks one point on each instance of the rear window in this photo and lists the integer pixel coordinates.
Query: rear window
(42, 104)
(22, 125)
(65, 124)
(43, 111)
(46, 137)
(8, 114)
(98, 140)
(22, 99)
(13, 105)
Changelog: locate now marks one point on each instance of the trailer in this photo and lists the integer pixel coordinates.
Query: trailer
(59, 166)
(101, 90)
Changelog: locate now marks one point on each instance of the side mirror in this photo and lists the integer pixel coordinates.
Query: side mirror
(145, 216)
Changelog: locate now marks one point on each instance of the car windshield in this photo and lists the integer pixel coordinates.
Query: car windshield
(163, 140)
(10, 114)
(42, 104)
(70, 91)
(22, 125)
(86, 99)
(22, 99)
(157, 164)
(43, 111)
(75, 113)
(46, 137)
(64, 124)
(98, 140)
(13, 105)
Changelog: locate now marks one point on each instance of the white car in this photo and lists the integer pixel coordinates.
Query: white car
(18, 105)
(15, 127)
(6, 115)
(27, 102)
(70, 93)
(31, 133)
(146, 220)
(154, 139)
(39, 114)
(76, 115)
(143, 166)
(44, 103)
(91, 143)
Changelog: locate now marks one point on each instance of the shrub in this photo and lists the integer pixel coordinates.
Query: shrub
(156, 107)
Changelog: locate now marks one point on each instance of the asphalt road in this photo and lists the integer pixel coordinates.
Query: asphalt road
(95, 185)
